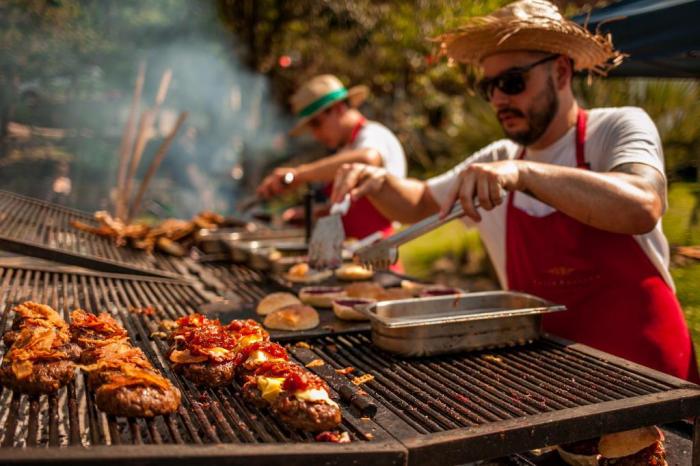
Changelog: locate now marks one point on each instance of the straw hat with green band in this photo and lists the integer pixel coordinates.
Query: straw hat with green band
(318, 94)
(530, 25)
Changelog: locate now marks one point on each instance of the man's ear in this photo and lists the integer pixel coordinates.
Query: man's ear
(563, 71)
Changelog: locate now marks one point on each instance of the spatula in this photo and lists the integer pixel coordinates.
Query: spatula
(326, 245)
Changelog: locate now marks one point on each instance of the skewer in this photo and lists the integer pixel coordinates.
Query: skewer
(155, 163)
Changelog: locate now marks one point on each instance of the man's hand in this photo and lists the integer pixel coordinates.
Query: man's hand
(358, 180)
(485, 182)
(278, 181)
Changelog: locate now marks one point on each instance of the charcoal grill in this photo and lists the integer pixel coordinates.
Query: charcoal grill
(212, 426)
(461, 408)
(41, 229)
(438, 410)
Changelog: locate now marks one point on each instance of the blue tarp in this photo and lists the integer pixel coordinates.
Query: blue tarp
(661, 37)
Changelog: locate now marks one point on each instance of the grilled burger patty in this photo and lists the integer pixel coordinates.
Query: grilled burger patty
(123, 379)
(208, 373)
(40, 355)
(314, 416)
(137, 400)
(46, 377)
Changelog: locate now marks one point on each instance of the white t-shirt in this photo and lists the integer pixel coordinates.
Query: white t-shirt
(614, 136)
(376, 136)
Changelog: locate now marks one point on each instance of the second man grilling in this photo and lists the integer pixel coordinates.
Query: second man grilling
(329, 111)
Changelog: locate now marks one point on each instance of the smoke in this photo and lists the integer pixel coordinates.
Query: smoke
(234, 128)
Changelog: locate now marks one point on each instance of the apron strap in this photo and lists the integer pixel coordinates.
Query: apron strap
(581, 121)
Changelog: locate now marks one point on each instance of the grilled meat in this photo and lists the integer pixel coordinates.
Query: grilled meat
(298, 397)
(40, 356)
(211, 374)
(172, 236)
(123, 379)
(203, 351)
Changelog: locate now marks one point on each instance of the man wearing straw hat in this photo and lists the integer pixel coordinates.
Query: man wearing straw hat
(570, 204)
(329, 111)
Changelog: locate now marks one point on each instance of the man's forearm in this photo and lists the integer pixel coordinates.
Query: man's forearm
(324, 170)
(405, 200)
(612, 201)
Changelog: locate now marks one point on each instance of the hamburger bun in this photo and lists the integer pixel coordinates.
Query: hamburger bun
(414, 287)
(366, 290)
(351, 272)
(629, 442)
(294, 317)
(344, 308)
(393, 294)
(439, 290)
(577, 460)
(580, 453)
(320, 296)
(275, 301)
(302, 273)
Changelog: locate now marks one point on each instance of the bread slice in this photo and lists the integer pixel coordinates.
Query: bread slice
(294, 317)
(275, 301)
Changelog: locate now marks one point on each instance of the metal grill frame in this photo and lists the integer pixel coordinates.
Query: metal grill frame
(44, 218)
(395, 440)
(216, 423)
(519, 435)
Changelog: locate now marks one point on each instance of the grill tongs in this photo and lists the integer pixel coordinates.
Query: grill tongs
(383, 253)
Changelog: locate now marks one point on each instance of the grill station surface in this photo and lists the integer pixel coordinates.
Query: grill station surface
(37, 228)
(439, 410)
(211, 424)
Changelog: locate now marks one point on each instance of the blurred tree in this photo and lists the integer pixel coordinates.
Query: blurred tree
(385, 44)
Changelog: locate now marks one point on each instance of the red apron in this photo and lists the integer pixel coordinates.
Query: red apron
(617, 300)
(363, 219)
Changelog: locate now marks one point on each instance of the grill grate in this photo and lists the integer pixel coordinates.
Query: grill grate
(38, 228)
(70, 418)
(492, 403)
(447, 410)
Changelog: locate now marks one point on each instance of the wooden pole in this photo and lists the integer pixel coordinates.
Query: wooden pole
(155, 163)
(127, 142)
(145, 124)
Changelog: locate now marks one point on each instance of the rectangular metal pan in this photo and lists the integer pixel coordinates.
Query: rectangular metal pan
(450, 324)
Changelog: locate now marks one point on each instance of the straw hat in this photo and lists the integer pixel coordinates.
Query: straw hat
(320, 93)
(530, 25)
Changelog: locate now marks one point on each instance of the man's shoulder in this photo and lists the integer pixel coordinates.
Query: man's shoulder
(376, 128)
(613, 115)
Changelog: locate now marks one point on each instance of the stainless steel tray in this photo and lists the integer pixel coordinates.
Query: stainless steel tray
(450, 324)
(221, 240)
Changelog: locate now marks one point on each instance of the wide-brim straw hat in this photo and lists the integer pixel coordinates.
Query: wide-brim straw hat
(318, 94)
(530, 25)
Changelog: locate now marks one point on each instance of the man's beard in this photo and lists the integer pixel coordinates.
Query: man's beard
(538, 116)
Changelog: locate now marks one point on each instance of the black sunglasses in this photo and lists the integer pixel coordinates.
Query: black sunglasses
(510, 82)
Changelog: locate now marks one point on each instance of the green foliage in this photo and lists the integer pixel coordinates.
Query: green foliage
(385, 44)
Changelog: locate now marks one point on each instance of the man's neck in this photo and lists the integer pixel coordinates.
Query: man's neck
(564, 119)
(351, 119)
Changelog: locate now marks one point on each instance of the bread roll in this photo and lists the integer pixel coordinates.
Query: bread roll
(393, 294)
(414, 287)
(366, 290)
(439, 290)
(345, 308)
(350, 272)
(628, 442)
(275, 301)
(320, 296)
(294, 317)
(578, 460)
(302, 273)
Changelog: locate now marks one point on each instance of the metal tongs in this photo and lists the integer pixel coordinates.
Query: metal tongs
(326, 245)
(383, 253)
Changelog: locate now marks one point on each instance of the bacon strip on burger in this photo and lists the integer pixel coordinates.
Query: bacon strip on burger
(41, 357)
